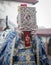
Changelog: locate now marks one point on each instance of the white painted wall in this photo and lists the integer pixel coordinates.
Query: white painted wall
(10, 9)
(44, 13)
(43, 8)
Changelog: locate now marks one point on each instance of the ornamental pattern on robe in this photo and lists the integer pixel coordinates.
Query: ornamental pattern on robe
(7, 48)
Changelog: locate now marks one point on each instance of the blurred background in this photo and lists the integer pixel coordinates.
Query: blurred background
(43, 18)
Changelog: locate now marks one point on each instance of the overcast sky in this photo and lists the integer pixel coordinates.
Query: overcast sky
(44, 13)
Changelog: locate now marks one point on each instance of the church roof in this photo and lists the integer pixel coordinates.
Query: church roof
(44, 32)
